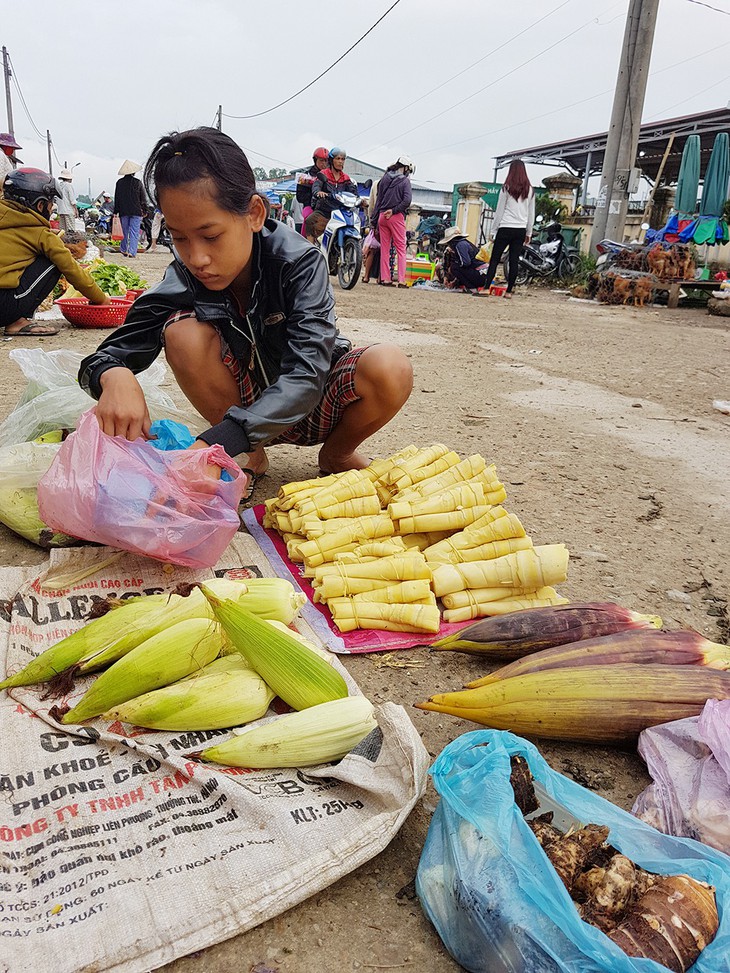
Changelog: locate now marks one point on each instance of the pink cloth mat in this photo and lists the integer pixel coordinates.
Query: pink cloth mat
(318, 615)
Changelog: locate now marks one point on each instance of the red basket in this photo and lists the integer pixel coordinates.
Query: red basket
(79, 312)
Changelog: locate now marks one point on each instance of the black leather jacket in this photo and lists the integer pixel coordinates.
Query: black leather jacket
(288, 337)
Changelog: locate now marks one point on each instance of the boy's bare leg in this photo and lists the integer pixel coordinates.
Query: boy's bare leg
(193, 352)
(383, 382)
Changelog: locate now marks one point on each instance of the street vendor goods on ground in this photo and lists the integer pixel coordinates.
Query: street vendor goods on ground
(395, 724)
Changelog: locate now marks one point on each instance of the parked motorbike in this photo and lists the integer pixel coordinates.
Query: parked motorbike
(552, 258)
(429, 234)
(341, 242)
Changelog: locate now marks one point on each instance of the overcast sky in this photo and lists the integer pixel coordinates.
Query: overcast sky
(107, 78)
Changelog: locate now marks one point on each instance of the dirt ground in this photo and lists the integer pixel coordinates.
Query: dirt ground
(601, 423)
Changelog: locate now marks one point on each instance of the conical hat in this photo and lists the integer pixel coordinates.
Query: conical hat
(129, 168)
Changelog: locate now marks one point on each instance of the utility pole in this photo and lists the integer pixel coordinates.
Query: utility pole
(8, 102)
(220, 118)
(48, 146)
(609, 218)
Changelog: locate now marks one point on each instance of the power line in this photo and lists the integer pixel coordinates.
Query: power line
(492, 83)
(459, 73)
(326, 71)
(710, 7)
(670, 67)
(23, 102)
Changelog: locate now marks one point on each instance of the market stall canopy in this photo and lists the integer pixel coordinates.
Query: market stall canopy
(588, 151)
(689, 177)
(710, 228)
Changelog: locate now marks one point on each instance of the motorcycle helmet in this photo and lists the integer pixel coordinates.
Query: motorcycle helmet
(407, 163)
(27, 186)
(335, 150)
(319, 153)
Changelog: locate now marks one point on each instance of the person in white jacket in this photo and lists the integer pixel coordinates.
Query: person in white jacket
(513, 222)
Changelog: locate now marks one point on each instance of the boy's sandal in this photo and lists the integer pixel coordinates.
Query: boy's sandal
(253, 479)
(37, 330)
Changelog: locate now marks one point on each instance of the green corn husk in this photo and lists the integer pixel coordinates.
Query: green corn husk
(127, 626)
(295, 673)
(317, 735)
(226, 693)
(274, 599)
(163, 659)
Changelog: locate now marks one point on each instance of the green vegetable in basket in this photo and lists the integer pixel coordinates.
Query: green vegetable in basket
(114, 279)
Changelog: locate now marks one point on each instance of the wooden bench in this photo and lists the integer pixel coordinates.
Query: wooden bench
(674, 286)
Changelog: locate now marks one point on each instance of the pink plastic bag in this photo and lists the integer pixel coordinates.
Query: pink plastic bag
(138, 498)
(689, 761)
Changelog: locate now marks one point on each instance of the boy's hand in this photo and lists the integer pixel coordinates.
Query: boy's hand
(122, 409)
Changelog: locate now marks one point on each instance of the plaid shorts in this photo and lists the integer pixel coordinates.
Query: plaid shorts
(339, 392)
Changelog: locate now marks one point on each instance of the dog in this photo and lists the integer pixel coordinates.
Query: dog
(657, 261)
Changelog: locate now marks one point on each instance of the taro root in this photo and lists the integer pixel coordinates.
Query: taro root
(544, 831)
(612, 891)
(671, 923)
(521, 781)
(570, 853)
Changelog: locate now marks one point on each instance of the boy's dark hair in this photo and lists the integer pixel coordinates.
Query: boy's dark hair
(202, 153)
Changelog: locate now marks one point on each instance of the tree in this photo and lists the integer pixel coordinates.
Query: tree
(277, 173)
(260, 173)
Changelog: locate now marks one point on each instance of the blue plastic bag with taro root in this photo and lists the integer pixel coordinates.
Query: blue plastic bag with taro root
(493, 895)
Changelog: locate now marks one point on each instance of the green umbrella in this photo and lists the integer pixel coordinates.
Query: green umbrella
(717, 176)
(689, 177)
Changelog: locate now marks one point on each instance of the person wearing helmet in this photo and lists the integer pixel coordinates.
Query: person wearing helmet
(332, 179)
(8, 158)
(32, 257)
(306, 179)
(389, 216)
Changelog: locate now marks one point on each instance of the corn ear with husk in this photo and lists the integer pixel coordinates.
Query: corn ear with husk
(269, 598)
(531, 569)
(646, 646)
(542, 598)
(293, 633)
(225, 693)
(349, 615)
(575, 704)
(295, 673)
(542, 628)
(317, 735)
(168, 656)
(123, 627)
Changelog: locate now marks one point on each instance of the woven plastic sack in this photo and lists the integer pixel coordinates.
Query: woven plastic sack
(490, 890)
(141, 499)
(689, 761)
(53, 398)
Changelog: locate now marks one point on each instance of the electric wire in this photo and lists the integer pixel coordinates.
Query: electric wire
(491, 84)
(710, 7)
(670, 67)
(23, 101)
(459, 73)
(319, 76)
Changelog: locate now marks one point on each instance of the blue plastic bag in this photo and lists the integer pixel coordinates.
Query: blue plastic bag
(175, 435)
(490, 890)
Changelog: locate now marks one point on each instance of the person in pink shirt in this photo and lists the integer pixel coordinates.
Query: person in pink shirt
(394, 198)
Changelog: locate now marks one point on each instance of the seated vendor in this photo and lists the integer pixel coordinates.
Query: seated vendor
(246, 317)
(32, 256)
(460, 266)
